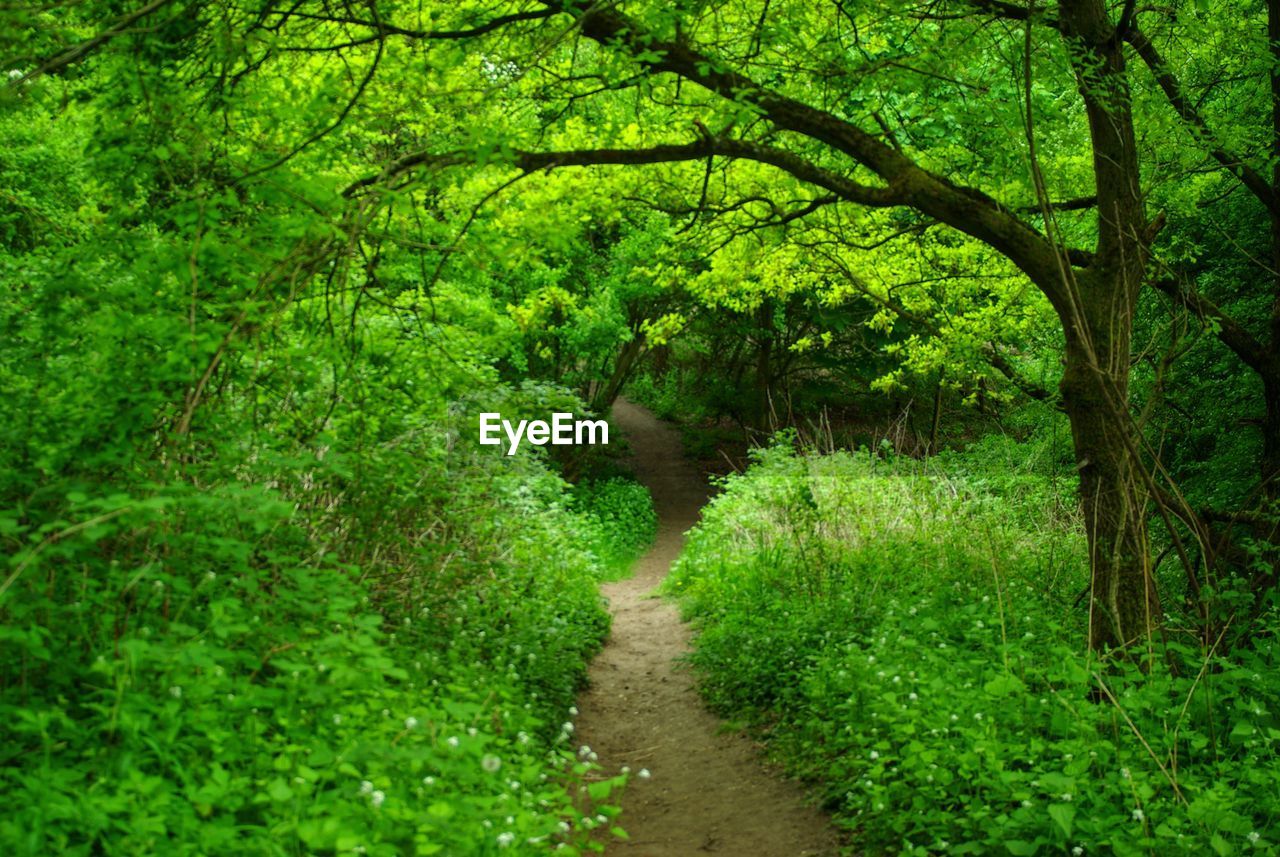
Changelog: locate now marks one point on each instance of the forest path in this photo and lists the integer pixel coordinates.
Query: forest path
(709, 793)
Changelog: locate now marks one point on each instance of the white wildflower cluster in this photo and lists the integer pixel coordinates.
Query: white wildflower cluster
(375, 796)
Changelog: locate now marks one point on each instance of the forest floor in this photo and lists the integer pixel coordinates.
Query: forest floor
(710, 791)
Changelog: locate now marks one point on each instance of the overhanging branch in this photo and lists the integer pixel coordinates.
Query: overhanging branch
(703, 147)
(1229, 331)
(1172, 89)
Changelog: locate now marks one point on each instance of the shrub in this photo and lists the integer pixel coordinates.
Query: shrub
(619, 517)
(910, 643)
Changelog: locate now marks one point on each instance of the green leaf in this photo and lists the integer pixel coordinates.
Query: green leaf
(1063, 814)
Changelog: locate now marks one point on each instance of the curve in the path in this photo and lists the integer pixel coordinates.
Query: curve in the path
(709, 792)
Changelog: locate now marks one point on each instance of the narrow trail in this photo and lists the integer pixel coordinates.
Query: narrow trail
(710, 793)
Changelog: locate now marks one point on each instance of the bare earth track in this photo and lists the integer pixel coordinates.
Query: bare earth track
(710, 793)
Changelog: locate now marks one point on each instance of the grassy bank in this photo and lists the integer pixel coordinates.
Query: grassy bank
(911, 640)
(330, 658)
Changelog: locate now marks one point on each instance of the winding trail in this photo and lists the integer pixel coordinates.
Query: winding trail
(709, 793)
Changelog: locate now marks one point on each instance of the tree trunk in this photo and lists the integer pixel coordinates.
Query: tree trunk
(1125, 607)
(1270, 465)
(764, 364)
(622, 369)
(1270, 469)
(932, 448)
(1096, 308)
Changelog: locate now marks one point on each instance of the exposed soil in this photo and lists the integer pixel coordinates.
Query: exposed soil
(710, 793)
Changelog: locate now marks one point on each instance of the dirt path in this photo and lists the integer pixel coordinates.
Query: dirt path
(709, 793)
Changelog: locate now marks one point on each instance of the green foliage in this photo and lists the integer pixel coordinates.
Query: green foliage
(261, 591)
(193, 670)
(908, 641)
(619, 517)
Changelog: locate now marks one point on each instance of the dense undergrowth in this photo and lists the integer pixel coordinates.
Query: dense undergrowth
(194, 671)
(200, 670)
(315, 619)
(907, 638)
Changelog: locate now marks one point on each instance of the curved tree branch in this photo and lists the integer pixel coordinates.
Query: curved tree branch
(703, 147)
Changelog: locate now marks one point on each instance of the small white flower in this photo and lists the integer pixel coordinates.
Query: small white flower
(1138, 815)
(1077, 851)
(644, 774)
(626, 769)
(366, 787)
(1254, 836)
(377, 798)
(491, 763)
(1026, 804)
(912, 696)
(471, 730)
(175, 692)
(566, 728)
(874, 755)
(1124, 773)
(1067, 797)
(573, 711)
(505, 839)
(337, 719)
(564, 826)
(453, 741)
(428, 781)
(411, 723)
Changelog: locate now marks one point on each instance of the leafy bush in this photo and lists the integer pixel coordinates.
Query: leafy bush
(910, 642)
(191, 671)
(618, 514)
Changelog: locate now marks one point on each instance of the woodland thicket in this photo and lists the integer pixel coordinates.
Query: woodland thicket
(265, 262)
